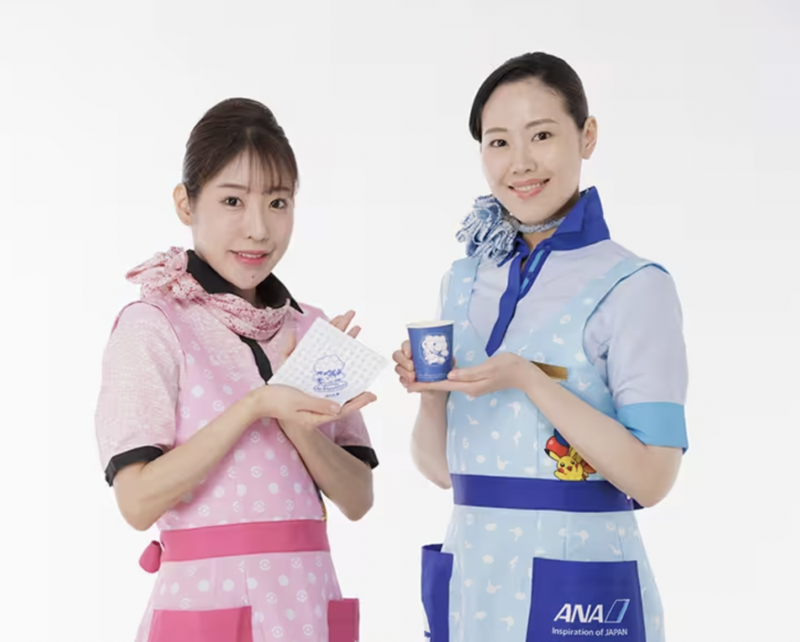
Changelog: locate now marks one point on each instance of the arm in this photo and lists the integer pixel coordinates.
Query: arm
(642, 471)
(141, 378)
(429, 439)
(145, 491)
(345, 480)
(137, 404)
(639, 327)
(638, 331)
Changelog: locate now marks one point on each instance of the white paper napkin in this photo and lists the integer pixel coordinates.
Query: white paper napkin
(329, 364)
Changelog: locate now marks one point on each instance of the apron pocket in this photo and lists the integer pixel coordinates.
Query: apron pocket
(343, 619)
(573, 600)
(437, 568)
(223, 625)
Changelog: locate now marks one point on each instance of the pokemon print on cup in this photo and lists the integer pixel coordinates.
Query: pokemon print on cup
(431, 349)
(327, 363)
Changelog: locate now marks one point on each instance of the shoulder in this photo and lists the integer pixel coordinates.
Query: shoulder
(140, 328)
(649, 287)
(644, 301)
(461, 268)
(141, 316)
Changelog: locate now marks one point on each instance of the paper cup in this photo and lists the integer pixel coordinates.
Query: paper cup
(431, 349)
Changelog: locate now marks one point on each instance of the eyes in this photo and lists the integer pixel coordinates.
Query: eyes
(276, 204)
(537, 137)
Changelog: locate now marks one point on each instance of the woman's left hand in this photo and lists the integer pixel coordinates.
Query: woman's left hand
(343, 320)
(307, 421)
(502, 372)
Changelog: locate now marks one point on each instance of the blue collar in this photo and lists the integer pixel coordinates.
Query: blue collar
(584, 225)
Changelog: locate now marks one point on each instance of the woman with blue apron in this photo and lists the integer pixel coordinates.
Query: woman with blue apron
(565, 411)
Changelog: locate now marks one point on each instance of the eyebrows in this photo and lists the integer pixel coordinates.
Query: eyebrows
(533, 123)
(244, 188)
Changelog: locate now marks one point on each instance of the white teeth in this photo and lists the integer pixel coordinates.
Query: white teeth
(250, 256)
(528, 188)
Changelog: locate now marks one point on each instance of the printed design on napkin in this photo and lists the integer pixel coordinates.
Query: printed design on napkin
(329, 374)
(435, 350)
(329, 363)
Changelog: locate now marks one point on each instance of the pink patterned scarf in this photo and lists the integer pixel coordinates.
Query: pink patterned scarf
(165, 274)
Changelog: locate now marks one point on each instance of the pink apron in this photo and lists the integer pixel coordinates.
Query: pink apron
(245, 556)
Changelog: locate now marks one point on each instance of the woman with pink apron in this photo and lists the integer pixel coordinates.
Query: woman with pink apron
(231, 470)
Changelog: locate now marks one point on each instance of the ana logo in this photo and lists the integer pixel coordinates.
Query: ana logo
(588, 613)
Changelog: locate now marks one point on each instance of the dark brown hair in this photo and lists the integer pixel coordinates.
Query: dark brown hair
(551, 70)
(230, 128)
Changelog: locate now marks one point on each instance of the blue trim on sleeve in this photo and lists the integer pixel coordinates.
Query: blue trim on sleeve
(656, 423)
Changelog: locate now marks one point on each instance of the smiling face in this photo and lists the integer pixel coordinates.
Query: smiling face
(241, 222)
(532, 150)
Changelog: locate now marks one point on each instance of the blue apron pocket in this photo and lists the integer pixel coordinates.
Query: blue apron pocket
(437, 568)
(571, 600)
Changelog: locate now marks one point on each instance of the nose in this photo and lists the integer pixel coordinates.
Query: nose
(522, 160)
(256, 226)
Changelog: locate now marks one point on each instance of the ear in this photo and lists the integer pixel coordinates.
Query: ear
(181, 200)
(589, 138)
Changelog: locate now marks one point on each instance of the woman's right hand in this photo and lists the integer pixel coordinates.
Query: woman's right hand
(407, 374)
(405, 365)
(285, 403)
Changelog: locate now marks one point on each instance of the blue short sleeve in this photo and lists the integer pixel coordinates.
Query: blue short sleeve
(646, 358)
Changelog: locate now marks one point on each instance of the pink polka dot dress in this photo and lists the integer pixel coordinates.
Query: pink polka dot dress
(175, 361)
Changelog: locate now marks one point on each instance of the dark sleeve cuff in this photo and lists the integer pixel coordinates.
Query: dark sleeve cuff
(137, 455)
(364, 453)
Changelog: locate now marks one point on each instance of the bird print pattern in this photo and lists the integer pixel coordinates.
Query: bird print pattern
(484, 569)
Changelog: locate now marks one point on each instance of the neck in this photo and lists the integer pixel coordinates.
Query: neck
(533, 239)
(251, 296)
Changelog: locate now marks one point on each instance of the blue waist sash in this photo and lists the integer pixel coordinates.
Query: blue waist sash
(540, 494)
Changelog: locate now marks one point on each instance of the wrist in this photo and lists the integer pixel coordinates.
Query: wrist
(530, 377)
(255, 404)
(432, 399)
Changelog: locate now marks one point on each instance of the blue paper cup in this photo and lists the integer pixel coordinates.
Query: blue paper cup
(431, 349)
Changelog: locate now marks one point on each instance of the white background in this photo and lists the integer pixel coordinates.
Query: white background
(697, 167)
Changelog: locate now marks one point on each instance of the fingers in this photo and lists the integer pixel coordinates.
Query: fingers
(478, 373)
(436, 386)
(354, 331)
(406, 378)
(357, 403)
(320, 406)
(403, 360)
(343, 320)
(406, 349)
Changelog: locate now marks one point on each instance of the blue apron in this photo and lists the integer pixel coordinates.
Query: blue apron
(539, 547)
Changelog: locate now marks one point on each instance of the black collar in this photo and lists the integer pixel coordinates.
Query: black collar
(271, 291)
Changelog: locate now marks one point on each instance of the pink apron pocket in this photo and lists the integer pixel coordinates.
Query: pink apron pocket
(223, 625)
(343, 621)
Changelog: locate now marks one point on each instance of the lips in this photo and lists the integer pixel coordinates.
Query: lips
(525, 187)
(253, 259)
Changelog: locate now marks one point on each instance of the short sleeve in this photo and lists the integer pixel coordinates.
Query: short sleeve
(351, 434)
(140, 381)
(646, 358)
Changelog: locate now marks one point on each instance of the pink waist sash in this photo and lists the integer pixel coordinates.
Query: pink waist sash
(251, 538)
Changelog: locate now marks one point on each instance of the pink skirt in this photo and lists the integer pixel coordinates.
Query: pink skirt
(250, 582)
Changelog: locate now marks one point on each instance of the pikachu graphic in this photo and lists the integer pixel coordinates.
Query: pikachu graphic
(570, 466)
